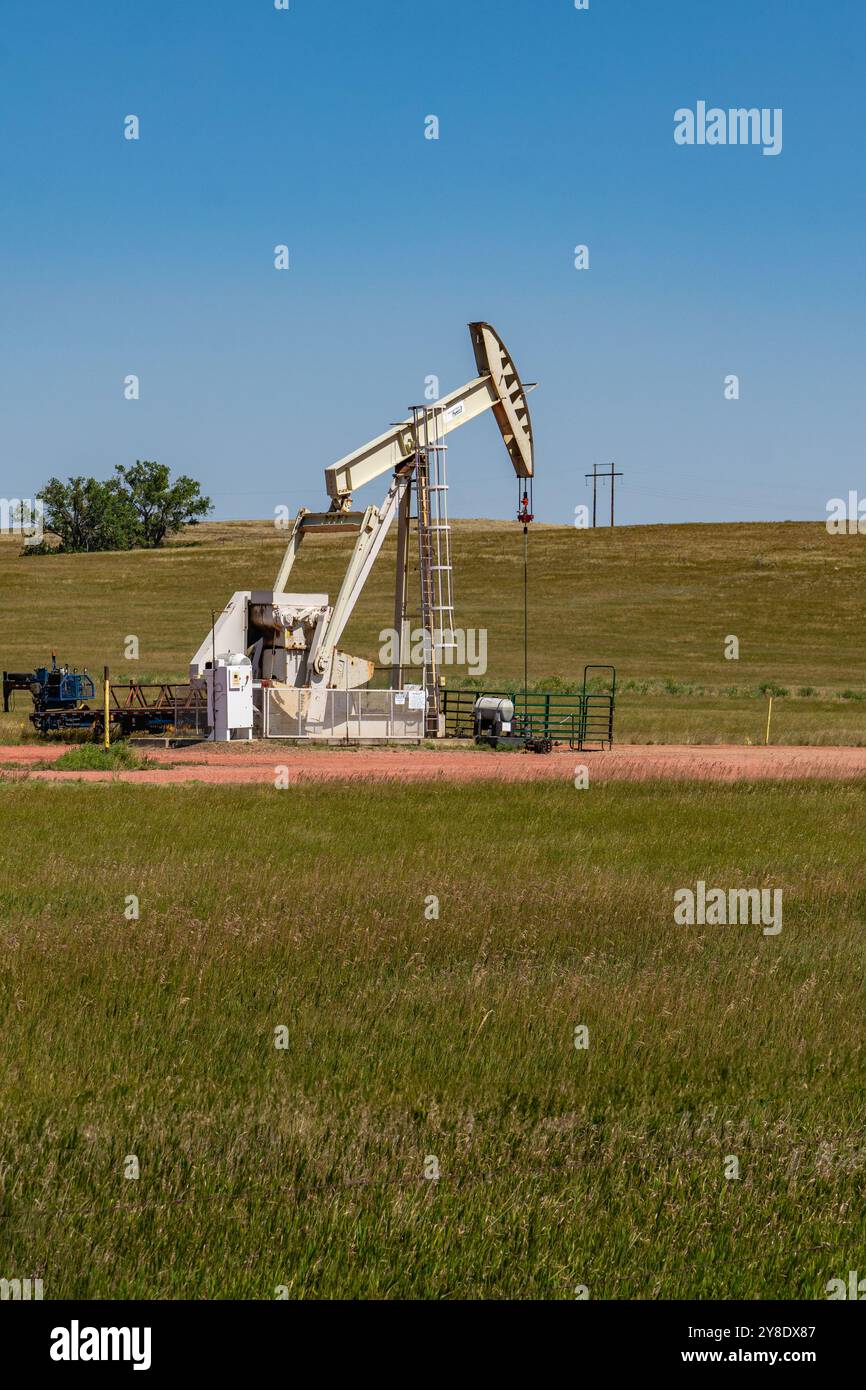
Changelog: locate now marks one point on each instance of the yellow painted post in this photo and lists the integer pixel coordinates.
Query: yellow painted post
(106, 693)
(769, 717)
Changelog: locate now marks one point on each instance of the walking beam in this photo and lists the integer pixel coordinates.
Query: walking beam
(498, 388)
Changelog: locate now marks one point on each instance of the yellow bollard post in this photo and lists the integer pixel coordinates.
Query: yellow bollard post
(106, 693)
(769, 717)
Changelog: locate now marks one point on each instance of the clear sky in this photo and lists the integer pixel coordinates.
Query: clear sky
(307, 127)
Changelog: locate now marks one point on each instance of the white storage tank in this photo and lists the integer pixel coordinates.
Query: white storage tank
(493, 716)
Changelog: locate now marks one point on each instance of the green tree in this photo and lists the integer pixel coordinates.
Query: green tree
(161, 507)
(88, 515)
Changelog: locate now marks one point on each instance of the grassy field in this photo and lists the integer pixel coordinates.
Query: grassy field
(411, 1039)
(657, 601)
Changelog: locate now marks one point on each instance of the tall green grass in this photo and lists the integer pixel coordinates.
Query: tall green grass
(93, 757)
(413, 1038)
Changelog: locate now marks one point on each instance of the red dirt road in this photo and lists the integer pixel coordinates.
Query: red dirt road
(259, 763)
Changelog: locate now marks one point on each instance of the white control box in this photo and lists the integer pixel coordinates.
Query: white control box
(230, 698)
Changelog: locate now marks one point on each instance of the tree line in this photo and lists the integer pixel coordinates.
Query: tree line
(138, 509)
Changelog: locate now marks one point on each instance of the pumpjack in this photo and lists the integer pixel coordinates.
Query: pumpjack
(291, 638)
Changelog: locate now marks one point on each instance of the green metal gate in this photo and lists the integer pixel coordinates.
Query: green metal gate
(582, 720)
(597, 715)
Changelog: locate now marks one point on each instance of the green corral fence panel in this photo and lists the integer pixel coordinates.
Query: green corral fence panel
(581, 720)
(598, 707)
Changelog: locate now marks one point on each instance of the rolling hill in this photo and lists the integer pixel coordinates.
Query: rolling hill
(657, 601)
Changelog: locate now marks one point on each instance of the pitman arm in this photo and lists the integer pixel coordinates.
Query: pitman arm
(372, 532)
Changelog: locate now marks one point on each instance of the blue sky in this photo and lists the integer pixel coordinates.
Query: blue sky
(306, 127)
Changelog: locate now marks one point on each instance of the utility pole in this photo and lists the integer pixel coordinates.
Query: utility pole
(594, 477)
(612, 476)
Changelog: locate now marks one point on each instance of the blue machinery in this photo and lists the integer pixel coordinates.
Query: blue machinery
(60, 696)
(66, 700)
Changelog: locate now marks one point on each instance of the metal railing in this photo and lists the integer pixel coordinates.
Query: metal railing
(159, 708)
(348, 716)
